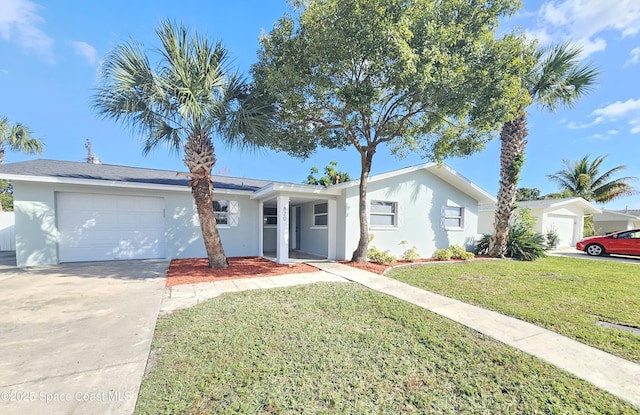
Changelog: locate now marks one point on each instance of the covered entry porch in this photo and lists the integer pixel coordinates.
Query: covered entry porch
(296, 222)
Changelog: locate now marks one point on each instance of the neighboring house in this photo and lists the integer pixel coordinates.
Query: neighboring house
(69, 212)
(564, 216)
(7, 231)
(616, 220)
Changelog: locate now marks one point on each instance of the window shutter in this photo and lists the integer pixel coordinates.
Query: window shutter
(234, 213)
(400, 214)
(443, 212)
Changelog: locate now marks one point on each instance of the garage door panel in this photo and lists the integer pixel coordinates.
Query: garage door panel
(97, 227)
(564, 227)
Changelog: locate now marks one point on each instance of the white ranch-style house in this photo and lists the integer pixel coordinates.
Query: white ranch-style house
(72, 212)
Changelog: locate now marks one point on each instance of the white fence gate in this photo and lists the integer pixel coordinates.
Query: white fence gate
(7, 231)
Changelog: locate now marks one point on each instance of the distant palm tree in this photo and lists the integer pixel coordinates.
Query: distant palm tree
(188, 98)
(582, 178)
(557, 79)
(17, 137)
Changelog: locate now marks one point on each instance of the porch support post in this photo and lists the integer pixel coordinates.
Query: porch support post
(282, 244)
(261, 228)
(332, 234)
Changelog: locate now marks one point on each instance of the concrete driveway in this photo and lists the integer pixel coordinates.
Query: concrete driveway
(574, 253)
(75, 338)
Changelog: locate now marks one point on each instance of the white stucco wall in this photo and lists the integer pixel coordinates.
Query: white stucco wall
(420, 197)
(37, 233)
(313, 239)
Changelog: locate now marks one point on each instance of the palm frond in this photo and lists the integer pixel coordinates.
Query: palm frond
(560, 78)
(582, 178)
(18, 137)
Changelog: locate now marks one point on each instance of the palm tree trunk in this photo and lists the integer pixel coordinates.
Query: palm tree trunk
(512, 136)
(199, 158)
(360, 254)
(213, 244)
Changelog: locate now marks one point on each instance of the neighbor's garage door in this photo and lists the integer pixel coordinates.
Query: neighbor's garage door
(97, 227)
(564, 226)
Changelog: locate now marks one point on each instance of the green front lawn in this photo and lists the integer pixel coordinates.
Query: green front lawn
(565, 295)
(343, 349)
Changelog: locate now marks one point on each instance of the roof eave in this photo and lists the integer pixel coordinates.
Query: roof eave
(272, 189)
(111, 183)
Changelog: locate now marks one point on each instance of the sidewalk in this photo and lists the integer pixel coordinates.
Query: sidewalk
(604, 370)
(188, 295)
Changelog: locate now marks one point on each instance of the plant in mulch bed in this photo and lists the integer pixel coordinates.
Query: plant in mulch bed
(410, 254)
(453, 252)
(381, 257)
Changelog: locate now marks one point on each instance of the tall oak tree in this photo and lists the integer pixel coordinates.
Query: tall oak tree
(420, 76)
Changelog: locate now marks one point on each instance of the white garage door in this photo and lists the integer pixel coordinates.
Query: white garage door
(564, 226)
(98, 227)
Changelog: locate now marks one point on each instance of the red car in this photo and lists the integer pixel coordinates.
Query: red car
(623, 242)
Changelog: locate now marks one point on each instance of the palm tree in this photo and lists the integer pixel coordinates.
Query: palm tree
(582, 178)
(18, 138)
(190, 96)
(556, 79)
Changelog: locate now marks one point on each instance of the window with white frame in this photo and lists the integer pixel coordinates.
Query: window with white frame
(320, 214)
(383, 213)
(453, 217)
(221, 211)
(270, 215)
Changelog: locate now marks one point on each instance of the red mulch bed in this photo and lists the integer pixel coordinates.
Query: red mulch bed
(379, 269)
(195, 270)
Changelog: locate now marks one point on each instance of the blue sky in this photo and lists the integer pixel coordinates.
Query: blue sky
(51, 50)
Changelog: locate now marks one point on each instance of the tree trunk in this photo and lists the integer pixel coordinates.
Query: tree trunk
(512, 136)
(360, 254)
(199, 158)
(201, 191)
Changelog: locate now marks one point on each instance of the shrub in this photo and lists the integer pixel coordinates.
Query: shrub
(381, 257)
(459, 252)
(525, 245)
(551, 239)
(410, 254)
(454, 251)
(482, 246)
(522, 244)
(443, 254)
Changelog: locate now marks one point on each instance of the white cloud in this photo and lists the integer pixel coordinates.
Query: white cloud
(628, 110)
(618, 108)
(19, 21)
(86, 50)
(582, 21)
(603, 137)
(635, 57)
(579, 126)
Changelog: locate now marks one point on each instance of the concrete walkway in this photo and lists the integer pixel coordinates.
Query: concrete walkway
(606, 371)
(185, 296)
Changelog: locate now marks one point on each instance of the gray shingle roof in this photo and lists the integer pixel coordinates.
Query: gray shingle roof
(108, 172)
